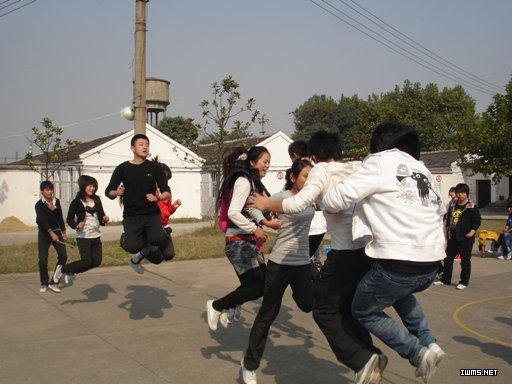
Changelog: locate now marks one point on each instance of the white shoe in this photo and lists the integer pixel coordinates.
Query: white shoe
(501, 257)
(57, 274)
(43, 288)
(383, 362)
(68, 278)
(509, 256)
(428, 364)
(54, 288)
(237, 315)
(370, 373)
(434, 347)
(224, 319)
(461, 286)
(438, 282)
(212, 315)
(249, 377)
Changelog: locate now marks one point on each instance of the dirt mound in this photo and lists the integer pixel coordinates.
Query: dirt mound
(13, 224)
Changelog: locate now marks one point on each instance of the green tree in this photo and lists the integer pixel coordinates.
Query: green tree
(53, 152)
(437, 116)
(319, 112)
(183, 130)
(486, 147)
(224, 113)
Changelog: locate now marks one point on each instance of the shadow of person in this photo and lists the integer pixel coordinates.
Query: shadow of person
(98, 292)
(145, 301)
(504, 320)
(289, 363)
(491, 349)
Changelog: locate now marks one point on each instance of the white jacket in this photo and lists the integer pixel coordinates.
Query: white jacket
(399, 207)
(322, 177)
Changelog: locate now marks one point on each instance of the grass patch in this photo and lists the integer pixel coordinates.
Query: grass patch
(205, 243)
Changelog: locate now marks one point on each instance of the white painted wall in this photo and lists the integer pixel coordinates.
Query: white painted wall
(19, 192)
(277, 145)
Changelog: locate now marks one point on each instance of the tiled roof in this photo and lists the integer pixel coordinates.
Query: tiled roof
(208, 150)
(440, 160)
(75, 152)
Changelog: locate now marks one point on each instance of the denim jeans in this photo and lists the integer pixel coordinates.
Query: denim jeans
(380, 289)
(505, 243)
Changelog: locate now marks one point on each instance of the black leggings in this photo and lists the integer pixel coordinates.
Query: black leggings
(252, 285)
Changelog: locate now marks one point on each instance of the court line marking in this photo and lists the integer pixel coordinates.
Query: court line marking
(458, 321)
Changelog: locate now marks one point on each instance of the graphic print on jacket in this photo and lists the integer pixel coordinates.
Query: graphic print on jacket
(422, 183)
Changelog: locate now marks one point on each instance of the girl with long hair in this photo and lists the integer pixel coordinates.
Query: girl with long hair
(242, 174)
(288, 265)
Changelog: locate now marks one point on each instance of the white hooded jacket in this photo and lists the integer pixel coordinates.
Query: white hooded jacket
(399, 207)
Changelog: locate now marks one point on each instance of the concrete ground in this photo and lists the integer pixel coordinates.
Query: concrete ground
(115, 326)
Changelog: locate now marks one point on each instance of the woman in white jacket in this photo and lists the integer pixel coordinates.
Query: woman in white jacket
(401, 212)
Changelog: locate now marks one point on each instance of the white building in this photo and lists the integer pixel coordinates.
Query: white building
(191, 182)
(19, 185)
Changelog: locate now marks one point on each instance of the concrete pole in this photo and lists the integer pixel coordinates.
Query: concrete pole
(139, 89)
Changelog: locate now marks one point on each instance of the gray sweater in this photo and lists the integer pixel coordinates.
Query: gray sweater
(292, 242)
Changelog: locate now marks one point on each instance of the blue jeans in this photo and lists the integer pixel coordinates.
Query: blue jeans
(505, 243)
(380, 289)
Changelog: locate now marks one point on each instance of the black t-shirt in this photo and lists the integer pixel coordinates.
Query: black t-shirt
(138, 180)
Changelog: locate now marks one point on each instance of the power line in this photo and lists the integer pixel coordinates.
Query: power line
(422, 61)
(423, 49)
(15, 9)
(389, 44)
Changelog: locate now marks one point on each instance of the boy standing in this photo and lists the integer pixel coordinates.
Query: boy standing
(136, 181)
(462, 221)
(400, 212)
(52, 230)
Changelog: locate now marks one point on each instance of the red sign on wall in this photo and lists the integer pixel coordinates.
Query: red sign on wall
(280, 175)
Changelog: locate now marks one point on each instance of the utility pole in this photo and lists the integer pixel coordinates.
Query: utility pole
(139, 88)
(263, 121)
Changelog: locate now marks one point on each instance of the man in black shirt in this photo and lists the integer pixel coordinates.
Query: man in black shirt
(136, 181)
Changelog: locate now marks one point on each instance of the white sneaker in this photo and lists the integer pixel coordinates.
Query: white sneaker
(383, 362)
(370, 373)
(428, 364)
(249, 377)
(434, 347)
(57, 274)
(461, 286)
(224, 319)
(237, 315)
(54, 288)
(501, 257)
(68, 278)
(43, 288)
(438, 282)
(212, 315)
(509, 256)
(135, 263)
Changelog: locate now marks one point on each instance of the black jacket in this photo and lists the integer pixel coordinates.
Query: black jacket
(76, 213)
(469, 219)
(47, 219)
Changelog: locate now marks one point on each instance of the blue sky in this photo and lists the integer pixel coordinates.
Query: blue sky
(72, 60)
